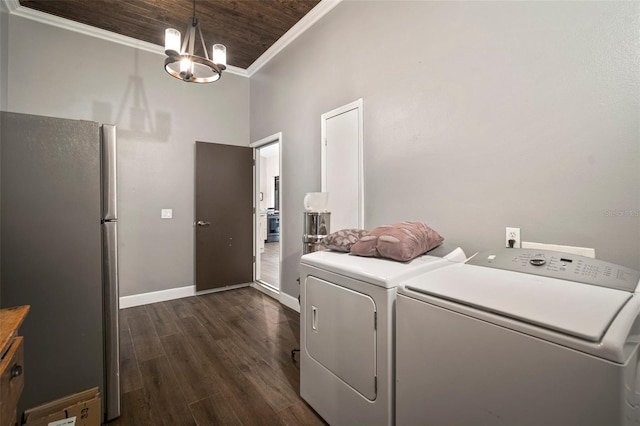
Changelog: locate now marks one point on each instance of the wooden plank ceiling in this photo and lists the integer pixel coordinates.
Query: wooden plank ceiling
(246, 27)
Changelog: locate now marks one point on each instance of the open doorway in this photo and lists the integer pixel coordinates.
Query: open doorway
(268, 217)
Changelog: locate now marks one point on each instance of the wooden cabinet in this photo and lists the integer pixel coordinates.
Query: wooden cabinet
(11, 363)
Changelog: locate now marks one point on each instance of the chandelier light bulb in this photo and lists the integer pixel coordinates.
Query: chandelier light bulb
(171, 41)
(185, 66)
(219, 54)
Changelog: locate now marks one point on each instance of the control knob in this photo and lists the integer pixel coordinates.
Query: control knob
(537, 260)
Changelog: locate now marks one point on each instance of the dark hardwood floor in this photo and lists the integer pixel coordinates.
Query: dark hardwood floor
(217, 359)
(270, 264)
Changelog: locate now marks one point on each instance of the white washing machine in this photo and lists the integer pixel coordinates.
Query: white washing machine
(519, 337)
(346, 332)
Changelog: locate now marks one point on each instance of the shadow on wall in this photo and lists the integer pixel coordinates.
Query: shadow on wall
(134, 117)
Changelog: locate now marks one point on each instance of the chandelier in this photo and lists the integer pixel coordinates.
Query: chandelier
(183, 64)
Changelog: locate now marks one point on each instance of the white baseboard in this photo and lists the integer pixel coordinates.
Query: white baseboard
(219, 289)
(290, 301)
(190, 290)
(157, 296)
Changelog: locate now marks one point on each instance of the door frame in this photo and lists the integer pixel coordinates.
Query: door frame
(355, 105)
(275, 138)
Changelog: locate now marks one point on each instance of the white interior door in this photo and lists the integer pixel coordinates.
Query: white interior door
(343, 166)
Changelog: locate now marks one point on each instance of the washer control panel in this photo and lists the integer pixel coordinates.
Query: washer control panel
(560, 265)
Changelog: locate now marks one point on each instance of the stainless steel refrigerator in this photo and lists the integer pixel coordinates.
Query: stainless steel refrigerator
(58, 251)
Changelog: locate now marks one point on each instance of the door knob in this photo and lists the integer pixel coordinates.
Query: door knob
(201, 223)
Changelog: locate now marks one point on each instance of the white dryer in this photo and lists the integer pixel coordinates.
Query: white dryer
(516, 336)
(346, 332)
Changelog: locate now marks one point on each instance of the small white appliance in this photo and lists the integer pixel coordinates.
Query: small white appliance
(346, 329)
(519, 336)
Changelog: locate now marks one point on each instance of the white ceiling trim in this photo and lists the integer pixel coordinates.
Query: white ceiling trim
(300, 27)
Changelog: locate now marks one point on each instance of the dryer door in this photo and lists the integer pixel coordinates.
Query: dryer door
(341, 333)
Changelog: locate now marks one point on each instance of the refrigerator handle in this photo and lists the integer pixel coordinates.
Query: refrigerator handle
(109, 171)
(111, 326)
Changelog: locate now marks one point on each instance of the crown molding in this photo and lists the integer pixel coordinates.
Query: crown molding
(294, 32)
(314, 15)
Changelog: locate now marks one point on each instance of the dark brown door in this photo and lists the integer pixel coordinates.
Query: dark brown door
(224, 215)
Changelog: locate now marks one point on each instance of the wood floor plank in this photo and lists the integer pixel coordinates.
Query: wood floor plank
(132, 312)
(268, 379)
(178, 307)
(290, 313)
(214, 410)
(191, 300)
(167, 403)
(202, 344)
(235, 297)
(275, 315)
(270, 264)
(278, 336)
(195, 382)
(249, 405)
(266, 309)
(205, 315)
(146, 342)
(279, 354)
(282, 339)
(300, 414)
(163, 320)
(220, 307)
(130, 377)
(135, 410)
(244, 356)
(270, 382)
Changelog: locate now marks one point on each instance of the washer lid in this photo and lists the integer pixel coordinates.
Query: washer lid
(572, 308)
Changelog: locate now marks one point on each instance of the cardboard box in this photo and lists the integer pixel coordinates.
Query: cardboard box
(84, 407)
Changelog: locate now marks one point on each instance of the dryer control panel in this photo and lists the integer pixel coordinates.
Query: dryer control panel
(560, 265)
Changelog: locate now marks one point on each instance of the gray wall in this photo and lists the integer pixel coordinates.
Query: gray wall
(59, 73)
(488, 114)
(478, 115)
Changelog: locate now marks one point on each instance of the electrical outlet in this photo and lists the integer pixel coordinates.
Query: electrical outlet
(512, 234)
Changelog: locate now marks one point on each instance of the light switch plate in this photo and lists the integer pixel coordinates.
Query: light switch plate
(166, 213)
